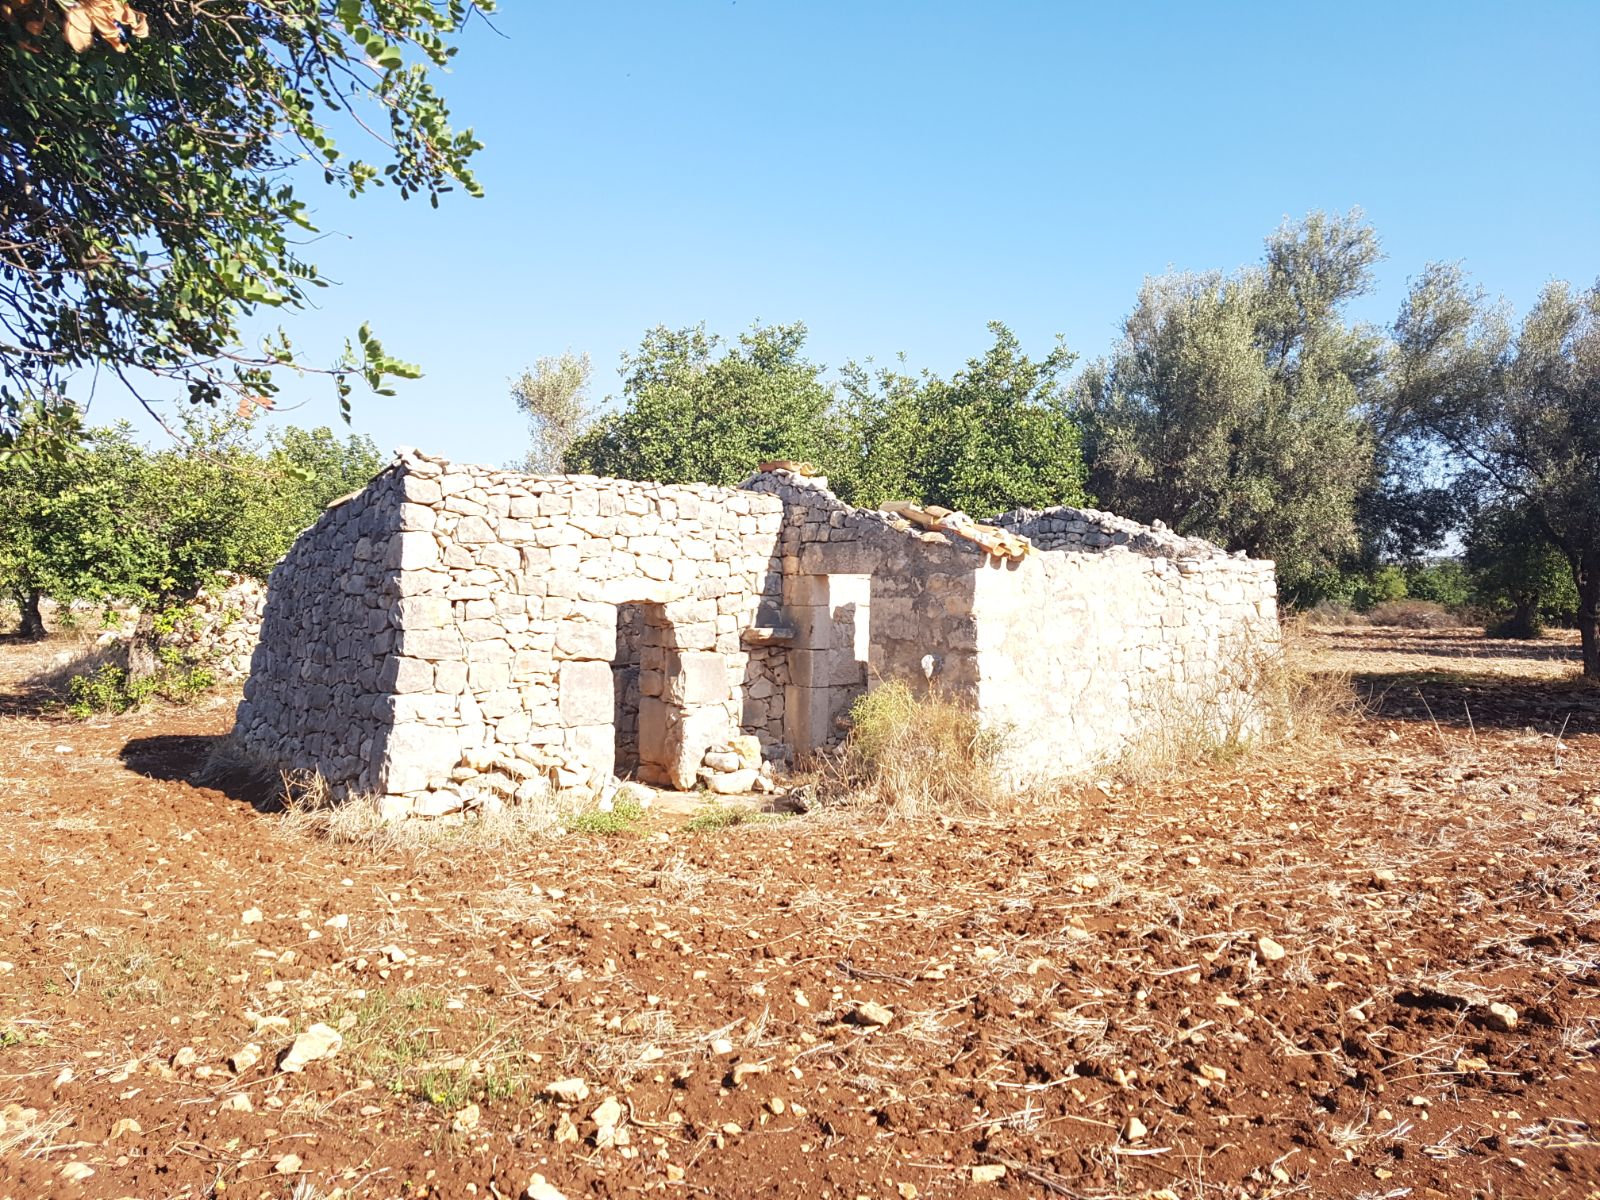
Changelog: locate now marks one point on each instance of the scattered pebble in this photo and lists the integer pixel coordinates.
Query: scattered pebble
(570, 1090)
(538, 1189)
(1504, 1016)
(869, 1012)
(1269, 950)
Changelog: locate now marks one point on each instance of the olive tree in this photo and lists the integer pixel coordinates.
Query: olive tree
(554, 395)
(1513, 410)
(1233, 408)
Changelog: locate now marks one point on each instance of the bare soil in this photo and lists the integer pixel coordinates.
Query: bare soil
(1282, 968)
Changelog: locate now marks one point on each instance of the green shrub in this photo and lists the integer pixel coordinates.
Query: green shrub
(108, 688)
(625, 813)
(1377, 587)
(1444, 582)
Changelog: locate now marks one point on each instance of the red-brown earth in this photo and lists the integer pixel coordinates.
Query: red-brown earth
(1050, 979)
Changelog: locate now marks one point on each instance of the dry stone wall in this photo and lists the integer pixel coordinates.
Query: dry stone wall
(493, 632)
(223, 626)
(459, 636)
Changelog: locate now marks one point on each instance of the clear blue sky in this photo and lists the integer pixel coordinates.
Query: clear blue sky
(898, 174)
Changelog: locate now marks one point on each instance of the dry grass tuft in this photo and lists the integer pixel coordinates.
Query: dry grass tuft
(918, 756)
(1269, 695)
(361, 821)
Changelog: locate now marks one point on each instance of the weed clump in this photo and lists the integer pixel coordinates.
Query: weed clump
(110, 688)
(916, 755)
(624, 814)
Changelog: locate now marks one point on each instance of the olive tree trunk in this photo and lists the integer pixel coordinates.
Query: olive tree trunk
(142, 659)
(28, 603)
(1586, 574)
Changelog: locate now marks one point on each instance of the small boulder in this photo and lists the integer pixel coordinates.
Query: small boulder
(734, 783)
(318, 1042)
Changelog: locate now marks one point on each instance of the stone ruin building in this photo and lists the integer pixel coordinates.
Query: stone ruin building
(454, 633)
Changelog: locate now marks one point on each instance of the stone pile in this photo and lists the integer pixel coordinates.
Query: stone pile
(736, 768)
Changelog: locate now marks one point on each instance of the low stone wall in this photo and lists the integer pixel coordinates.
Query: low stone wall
(222, 627)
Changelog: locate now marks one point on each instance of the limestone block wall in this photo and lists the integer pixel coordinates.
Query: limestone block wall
(317, 699)
(481, 633)
(1082, 652)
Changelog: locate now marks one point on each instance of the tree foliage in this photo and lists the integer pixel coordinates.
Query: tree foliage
(148, 198)
(997, 435)
(1515, 412)
(113, 520)
(1233, 407)
(1516, 571)
(696, 408)
(554, 395)
(60, 524)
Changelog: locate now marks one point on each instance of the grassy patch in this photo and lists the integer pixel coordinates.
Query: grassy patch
(110, 689)
(625, 813)
(385, 1042)
(714, 817)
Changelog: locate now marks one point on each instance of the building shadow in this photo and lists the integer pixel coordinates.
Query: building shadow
(1463, 701)
(202, 760)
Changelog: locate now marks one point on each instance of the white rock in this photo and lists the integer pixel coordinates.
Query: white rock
(538, 1189)
(315, 1044)
(869, 1012)
(607, 1113)
(734, 783)
(1504, 1016)
(1269, 950)
(570, 1090)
